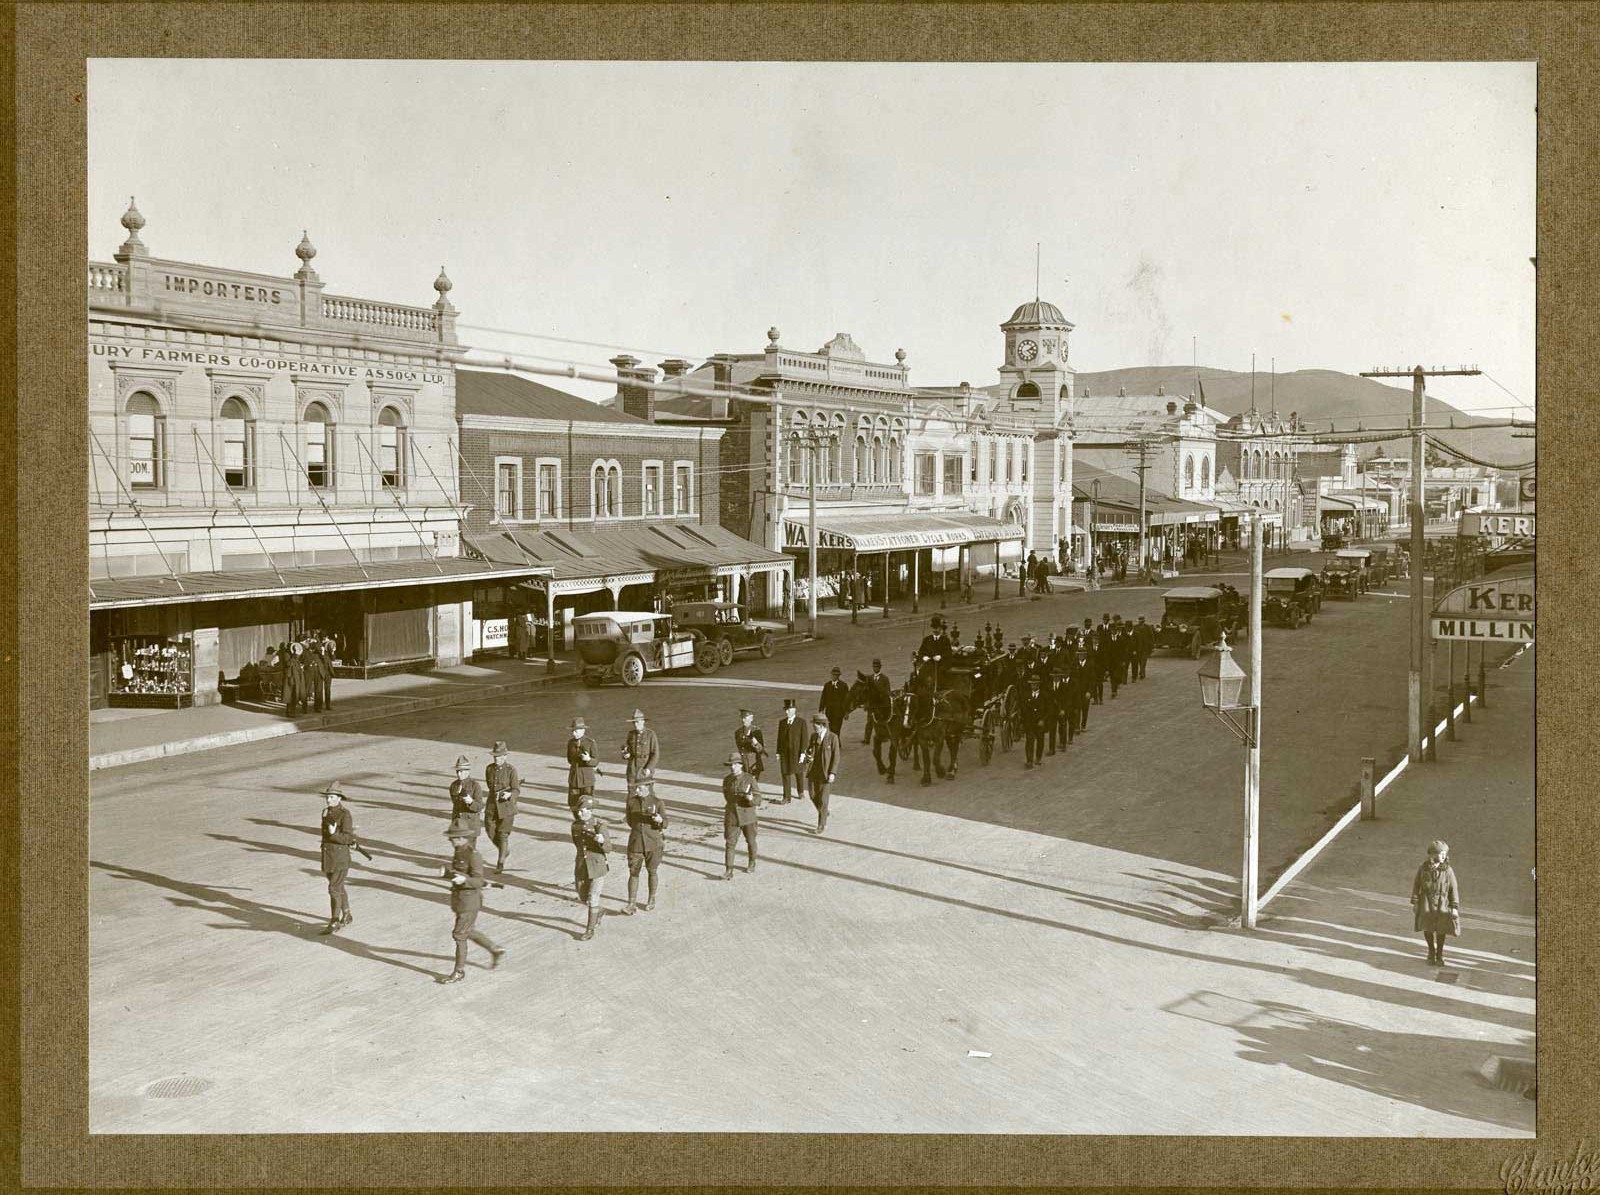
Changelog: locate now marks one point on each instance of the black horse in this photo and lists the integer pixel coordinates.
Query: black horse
(880, 714)
(942, 717)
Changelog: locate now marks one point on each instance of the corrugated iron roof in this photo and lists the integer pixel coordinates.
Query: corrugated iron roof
(512, 396)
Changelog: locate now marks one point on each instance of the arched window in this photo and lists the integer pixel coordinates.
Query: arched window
(1188, 472)
(863, 460)
(319, 446)
(1205, 472)
(994, 462)
(392, 448)
(146, 440)
(896, 466)
(880, 459)
(1027, 390)
(1066, 393)
(605, 490)
(797, 460)
(238, 459)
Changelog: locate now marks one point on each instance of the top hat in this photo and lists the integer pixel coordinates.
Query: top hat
(577, 724)
(788, 703)
(638, 715)
(500, 748)
(333, 790)
(462, 762)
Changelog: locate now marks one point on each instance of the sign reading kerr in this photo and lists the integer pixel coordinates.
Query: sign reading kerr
(1501, 610)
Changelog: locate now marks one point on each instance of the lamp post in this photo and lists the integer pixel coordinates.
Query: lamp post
(1221, 683)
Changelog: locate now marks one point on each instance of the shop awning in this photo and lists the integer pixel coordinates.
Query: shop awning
(1161, 509)
(899, 531)
(628, 556)
(120, 592)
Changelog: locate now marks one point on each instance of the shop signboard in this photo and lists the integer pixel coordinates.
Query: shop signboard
(493, 633)
(1516, 524)
(1499, 611)
(1117, 528)
(142, 471)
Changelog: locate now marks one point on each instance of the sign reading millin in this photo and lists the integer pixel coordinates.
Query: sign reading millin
(1486, 630)
(1494, 609)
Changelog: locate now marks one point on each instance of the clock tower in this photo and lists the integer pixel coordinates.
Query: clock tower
(1036, 374)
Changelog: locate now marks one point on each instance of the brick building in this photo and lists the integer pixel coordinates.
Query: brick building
(265, 459)
(622, 511)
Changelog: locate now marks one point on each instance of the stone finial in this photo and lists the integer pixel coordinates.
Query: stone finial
(305, 251)
(900, 356)
(133, 221)
(772, 336)
(443, 285)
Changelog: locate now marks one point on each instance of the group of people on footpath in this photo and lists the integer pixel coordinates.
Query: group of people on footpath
(297, 672)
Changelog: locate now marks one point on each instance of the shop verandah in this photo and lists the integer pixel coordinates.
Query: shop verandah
(646, 568)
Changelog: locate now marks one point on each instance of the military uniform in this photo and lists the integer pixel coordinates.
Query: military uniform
(582, 763)
(792, 739)
(647, 830)
(500, 808)
(740, 815)
(589, 868)
(752, 748)
(822, 765)
(465, 872)
(468, 798)
(881, 699)
(338, 835)
(641, 751)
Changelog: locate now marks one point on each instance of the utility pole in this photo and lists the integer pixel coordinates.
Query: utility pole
(1251, 868)
(1141, 450)
(1415, 691)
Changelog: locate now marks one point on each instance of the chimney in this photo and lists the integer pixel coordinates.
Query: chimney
(676, 367)
(632, 398)
(1172, 407)
(1189, 408)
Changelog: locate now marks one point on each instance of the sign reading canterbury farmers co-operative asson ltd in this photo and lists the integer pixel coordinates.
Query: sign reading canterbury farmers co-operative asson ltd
(1499, 610)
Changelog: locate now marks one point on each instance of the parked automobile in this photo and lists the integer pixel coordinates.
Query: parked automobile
(1196, 616)
(726, 625)
(1381, 567)
(1292, 596)
(628, 646)
(1332, 540)
(1345, 574)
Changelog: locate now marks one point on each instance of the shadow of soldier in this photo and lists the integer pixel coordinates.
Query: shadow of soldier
(261, 918)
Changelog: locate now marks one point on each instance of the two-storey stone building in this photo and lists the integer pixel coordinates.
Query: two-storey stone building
(266, 458)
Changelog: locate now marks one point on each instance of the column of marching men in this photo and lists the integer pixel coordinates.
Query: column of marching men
(1057, 681)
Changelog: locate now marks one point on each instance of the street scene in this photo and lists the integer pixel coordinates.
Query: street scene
(502, 723)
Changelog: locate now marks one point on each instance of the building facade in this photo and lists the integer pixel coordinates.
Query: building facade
(266, 458)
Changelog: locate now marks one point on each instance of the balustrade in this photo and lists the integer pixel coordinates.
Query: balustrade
(383, 315)
(106, 277)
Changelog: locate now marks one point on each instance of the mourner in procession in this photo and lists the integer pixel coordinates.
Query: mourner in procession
(465, 873)
(582, 764)
(500, 809)
(749, 743)
(741, 811)
(338, 836)
(882, 697)
(835, 701)
(793, 735)
(822, 765)
(647, 830)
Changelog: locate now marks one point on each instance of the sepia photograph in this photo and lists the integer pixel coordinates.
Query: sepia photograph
(771, 597)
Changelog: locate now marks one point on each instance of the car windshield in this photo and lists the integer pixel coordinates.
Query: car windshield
(1280, 584)
(1190, 608)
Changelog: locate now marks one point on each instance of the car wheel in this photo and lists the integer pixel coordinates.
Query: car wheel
(705, 657)
(632, 670)
(767, 646)
(725, 652)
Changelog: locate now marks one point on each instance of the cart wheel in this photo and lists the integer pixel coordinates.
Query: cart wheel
(632, 670)
(985, 750)
(725, 652)
(767, 646)
(1005, 734)
(705, 657)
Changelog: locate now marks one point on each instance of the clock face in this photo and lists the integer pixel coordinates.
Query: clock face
(1027, 350)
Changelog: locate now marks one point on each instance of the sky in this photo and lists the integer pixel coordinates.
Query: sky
(1320, 216)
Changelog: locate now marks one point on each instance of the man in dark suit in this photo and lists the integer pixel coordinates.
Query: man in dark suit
(641, 750)
(752, 748)
(1144, 643)
(582, 765)
(936, 642)
(793, 735)
(1033, 719)
(822, 765)
(319, 670)
(881, 699)
(500, 807)
(465, 873)
(835, 701)
(647, 828)
(338, 835)
(468, 797)
(294, 680)
(741, 804)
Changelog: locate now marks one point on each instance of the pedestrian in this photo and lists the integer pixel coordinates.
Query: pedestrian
(500, 807)
(1144, 644)
(647, 827)
(582, 765)
(1436, 900)
(741, 805)
(1034, 715)
(468, 797)
(330, 654)
(294, 680)
(465, 873)
(835, 701)
(589, 867)
(338, 836)
(880, 698)
(319, 674)
(822, 765)
(747, 741)
(792, 739)
(641, 751)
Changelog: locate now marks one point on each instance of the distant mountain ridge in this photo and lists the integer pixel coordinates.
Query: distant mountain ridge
(1320, 396)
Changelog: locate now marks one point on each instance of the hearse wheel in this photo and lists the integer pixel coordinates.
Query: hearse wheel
(632, 670)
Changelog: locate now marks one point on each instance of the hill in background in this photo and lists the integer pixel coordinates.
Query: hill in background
(1324, 398)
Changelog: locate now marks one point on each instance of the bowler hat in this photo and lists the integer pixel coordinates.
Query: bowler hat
(333, 790)
(877, 663)
(577, 724)
(500, 748)
(821, 719)
(836, 672)
(462, 762)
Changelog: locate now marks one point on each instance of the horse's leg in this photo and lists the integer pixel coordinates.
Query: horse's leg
(953, 741)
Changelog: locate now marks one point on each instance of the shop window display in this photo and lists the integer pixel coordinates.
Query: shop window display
(152, 671)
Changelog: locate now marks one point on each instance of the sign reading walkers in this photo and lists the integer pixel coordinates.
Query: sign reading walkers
(1499, 610)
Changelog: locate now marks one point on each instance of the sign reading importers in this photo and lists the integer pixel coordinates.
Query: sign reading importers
(1492, 610)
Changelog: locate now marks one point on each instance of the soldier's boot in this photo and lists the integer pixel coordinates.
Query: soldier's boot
(650, 905)
(454, 977)
(594, 920)
(633, 895)
(496, 953)
(750, 863)
(346, 917)
(334, 920)
(500, 862)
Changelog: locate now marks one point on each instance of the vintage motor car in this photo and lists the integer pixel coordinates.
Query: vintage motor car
(1344, 574)
(628, 646)
(1292, 596)
(726, 625)
(1196, 616)
(1380, 566)
(1332, 540)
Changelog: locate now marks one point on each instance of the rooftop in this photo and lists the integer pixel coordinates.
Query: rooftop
(479, 392)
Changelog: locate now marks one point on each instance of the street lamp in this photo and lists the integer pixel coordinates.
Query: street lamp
(1221, 682)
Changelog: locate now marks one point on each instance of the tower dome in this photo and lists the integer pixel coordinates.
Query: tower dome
(1037, 313)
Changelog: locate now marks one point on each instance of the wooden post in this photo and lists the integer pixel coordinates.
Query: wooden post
(550, 626)
(1450, 711)
(916, 577)
(1483, 688)
(1431, 753)
(855, 571)
(1466, 685)
(1369, 796)
(886, 582)
(997, 570)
